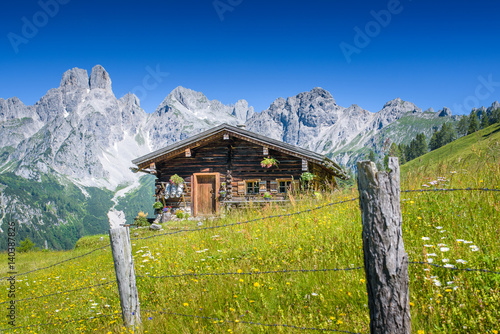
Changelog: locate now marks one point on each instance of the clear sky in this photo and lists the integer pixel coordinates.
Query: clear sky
(432, 53)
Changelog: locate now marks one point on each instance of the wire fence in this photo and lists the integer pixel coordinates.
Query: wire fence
(352, 268)
(56, 264)
(222, 321)
(246, 222)
(59, 292)
(60, 322)
(252, 273)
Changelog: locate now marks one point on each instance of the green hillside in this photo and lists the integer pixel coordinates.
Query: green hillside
(481, 146)
(402, 131)
(52, 210)
(273, 268)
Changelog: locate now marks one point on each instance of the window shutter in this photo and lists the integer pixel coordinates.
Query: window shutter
(262, 186)
(274, 187)
(304, 165)
(241, 187)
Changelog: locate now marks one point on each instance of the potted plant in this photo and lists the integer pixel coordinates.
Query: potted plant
(306, 178)
(158, 206)
(176, 180)
(266, 196)
(269, 162)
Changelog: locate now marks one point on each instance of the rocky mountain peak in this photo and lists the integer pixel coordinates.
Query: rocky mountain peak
(495, 105)
(76, 77)
(99, 78)
(130, 100)
(401, 106)
(317, 93)
(444, 112)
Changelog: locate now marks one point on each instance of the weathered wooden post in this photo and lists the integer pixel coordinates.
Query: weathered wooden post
(386, 262)
(125, 275)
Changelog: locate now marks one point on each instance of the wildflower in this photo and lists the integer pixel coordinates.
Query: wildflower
(185, 304)
(256, 284)
(439, 227)
(314, 294)
(449, 265)
(445, 260)
(444, 249)
(474, 248)
(437, 283)
(461, 261)
(430, 260)
(450, 282)
(412, 304)
(441, 245)
(425, 238)
(428, 245)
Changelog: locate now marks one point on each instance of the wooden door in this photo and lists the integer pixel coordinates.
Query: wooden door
(205, 194)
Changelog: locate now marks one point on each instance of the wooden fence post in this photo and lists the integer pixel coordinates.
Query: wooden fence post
(386, 262)
(125, 275)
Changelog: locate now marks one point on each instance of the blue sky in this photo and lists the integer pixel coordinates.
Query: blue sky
(431, 53)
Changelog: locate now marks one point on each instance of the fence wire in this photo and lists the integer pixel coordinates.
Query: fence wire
(454, 268)
(252, 273)
(55, 264)
(58, 322)
(58, 293)
(449, 189)
(249, 322)
(246, 222)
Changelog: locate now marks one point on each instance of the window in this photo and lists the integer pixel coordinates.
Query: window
(252, 187)
(284, 186)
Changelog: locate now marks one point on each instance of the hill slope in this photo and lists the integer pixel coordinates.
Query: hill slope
(270, 271)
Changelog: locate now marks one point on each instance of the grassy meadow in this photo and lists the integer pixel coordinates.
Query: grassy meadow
(457, 229)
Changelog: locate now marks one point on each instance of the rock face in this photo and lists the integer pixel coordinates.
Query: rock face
(81, 130)
(444, 112)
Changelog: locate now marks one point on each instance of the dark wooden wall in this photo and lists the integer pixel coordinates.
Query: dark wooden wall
(236, 160)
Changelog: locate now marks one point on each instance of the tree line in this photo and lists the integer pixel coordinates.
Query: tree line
(475, 121)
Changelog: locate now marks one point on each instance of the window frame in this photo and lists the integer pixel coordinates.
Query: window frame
(288, 187)
(256, 186)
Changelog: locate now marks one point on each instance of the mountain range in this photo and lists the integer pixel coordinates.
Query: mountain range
(64, 161)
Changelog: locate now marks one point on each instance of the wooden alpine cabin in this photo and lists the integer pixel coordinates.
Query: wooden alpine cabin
(224, 166)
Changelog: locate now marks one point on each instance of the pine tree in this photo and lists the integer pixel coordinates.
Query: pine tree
(402, 153)
(449, 134)
(462, 126)
(485, 121)
(495, 116)
(420, 145)
(473, 123)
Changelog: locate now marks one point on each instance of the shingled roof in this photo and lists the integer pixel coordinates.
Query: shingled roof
(179, 147)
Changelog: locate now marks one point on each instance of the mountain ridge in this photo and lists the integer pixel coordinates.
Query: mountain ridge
(80, 133)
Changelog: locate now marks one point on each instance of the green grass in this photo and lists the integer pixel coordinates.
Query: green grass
(329, 237)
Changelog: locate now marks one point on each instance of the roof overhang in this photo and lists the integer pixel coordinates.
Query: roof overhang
(143, 163)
